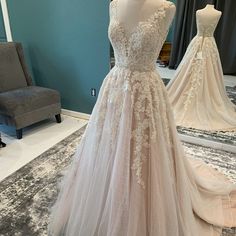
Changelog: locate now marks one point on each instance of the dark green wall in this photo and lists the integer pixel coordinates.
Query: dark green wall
(2, 29)
(66, 45)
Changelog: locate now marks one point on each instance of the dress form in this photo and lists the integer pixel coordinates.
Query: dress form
(197, 91)
(131, 12)
(206, 17)
(130, 176)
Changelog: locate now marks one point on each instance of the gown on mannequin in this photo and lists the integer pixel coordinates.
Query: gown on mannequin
(197, 92)
(129, 176)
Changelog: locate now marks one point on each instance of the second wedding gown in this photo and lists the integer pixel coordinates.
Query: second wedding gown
(197, 91)
(129, 176)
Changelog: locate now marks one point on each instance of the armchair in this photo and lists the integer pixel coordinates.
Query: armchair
(22, 103)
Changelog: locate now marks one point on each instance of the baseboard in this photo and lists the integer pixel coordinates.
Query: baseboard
(76, 114)
(208, 143)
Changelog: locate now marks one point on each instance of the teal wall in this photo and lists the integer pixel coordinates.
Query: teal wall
(171, 31)
(2, 28)
(66, 45)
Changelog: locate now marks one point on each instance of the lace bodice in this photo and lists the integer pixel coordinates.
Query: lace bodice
(204, 28)
(140, 50)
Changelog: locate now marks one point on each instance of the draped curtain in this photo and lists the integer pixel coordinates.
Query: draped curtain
(185, 30)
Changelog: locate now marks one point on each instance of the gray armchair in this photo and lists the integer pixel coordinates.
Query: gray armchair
(22, 103)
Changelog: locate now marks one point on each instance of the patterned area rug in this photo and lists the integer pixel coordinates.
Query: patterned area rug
(27, 195)
(218, 136)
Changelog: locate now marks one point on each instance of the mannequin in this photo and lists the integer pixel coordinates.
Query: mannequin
(131, 12)
(130, 176)
(197, 91)
(208, 15)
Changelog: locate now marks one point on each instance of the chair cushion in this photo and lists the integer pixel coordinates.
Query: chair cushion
(11, 73)
(27, 99)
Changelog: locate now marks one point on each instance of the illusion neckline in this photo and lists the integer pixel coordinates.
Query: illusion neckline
(128, 36)
(141, 22)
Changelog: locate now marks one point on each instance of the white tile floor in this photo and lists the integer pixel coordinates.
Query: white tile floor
(36, 140)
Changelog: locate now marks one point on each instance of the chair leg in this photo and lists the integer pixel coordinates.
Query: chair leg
(19, 133)
(58, 118)
(2, 144)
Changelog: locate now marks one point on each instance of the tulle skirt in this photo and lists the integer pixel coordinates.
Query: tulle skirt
(130, 177)
(197, 92)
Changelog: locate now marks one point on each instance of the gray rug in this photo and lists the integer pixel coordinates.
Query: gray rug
(217, 136)
(27, 195)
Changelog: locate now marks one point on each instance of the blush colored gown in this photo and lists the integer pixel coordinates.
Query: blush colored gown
(197, 92)
(129, 176)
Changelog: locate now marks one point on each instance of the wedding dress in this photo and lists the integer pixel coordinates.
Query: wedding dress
(197, 92)
(129, 176)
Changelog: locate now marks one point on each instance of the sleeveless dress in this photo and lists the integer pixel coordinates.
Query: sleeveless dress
(197, 92)
(129, 176)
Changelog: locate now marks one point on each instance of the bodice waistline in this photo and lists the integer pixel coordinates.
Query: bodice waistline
(133, 68)
(205, 35)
